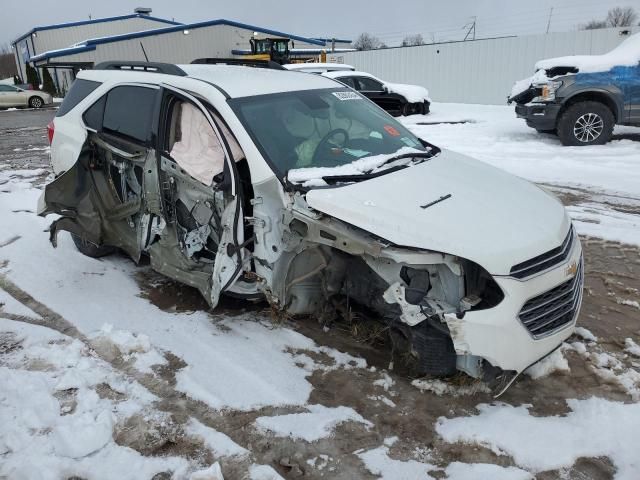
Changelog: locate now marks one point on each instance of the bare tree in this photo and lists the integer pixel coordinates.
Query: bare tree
(411, 40)
(621, 17)
(594, 25)
(7, 65)
(366, 41)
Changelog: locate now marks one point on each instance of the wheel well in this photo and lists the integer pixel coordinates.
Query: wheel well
(592, 97)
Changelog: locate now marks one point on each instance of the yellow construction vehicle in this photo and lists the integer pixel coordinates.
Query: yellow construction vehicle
(275, 49)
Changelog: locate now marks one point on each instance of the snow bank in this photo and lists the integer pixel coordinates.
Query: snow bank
(595, 427)
(488, 471)
(318, 423)
(53, 424)
(586, 334)
(378, 462)
(556, 362)
(214, 472)
(631, 347)
(263, 472)
(627, 54)
(220, 444)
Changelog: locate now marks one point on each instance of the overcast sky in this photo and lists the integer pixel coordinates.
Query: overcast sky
(389, 20)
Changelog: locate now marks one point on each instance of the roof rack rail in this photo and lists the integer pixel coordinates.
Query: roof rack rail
(239, 61)
(133, 66)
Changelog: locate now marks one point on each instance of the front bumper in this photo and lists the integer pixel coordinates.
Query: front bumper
(541, 116)
(498, 335)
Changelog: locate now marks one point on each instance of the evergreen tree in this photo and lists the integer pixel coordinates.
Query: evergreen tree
(32, 77)
(47, 83)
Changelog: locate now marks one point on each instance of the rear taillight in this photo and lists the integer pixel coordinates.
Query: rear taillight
(50, 131)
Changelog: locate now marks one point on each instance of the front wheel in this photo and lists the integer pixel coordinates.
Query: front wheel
(412, 109)
(586, 123)
(91, 249)
(36, 102)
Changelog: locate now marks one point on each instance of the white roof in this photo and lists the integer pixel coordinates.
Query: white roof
(236, 81)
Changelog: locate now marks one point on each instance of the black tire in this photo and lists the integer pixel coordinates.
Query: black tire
(586, 123)
(412, 109)
(36, 102)
(90, 249)
(436, 354)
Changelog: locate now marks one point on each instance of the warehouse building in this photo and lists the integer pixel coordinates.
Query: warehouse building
(159, 40)
(53, 37)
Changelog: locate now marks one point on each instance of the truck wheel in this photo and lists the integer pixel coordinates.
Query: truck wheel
(91, 249)
(586, 123)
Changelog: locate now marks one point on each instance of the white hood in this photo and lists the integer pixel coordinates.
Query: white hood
(492, 218)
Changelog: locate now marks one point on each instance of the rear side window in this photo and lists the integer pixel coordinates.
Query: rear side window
(129, 111)
(78, 92)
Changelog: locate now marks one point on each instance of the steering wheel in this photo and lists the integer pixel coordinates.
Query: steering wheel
(326, 144)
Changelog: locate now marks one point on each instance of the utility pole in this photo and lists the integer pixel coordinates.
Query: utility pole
(549, 22)
(472, 28)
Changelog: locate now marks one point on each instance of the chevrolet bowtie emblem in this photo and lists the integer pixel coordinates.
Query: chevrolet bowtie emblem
(572, 269)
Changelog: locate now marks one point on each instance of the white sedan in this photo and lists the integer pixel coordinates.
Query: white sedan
(11, 96)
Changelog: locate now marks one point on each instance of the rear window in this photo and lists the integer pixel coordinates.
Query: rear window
(129, 112)
(78, 92)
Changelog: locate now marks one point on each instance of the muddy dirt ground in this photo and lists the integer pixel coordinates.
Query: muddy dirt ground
(612, 275)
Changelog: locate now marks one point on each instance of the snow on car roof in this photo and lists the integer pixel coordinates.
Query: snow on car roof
(627, 54)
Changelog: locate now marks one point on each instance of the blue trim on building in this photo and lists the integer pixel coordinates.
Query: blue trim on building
(194, 26)
(62, 53)
(89, 22)
(91, 44)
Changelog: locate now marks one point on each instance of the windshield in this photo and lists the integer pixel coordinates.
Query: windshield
(308, 135)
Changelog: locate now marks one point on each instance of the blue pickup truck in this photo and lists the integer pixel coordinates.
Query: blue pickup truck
(581, 98)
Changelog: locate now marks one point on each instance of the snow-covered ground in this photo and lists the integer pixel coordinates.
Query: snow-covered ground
(93, 376)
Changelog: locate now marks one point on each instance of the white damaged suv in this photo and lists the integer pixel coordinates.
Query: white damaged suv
(262, 183)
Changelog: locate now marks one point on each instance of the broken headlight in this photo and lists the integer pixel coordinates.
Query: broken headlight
(548, 91)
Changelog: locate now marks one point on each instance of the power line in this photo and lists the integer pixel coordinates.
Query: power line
(530, 21)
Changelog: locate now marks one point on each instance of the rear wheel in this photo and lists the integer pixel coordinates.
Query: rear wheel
(586, 123)
(91, 249)
(36, 102)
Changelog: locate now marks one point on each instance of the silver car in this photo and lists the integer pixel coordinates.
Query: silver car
(11, 96)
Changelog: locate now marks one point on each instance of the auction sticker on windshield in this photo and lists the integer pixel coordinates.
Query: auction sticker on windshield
(347, 96)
